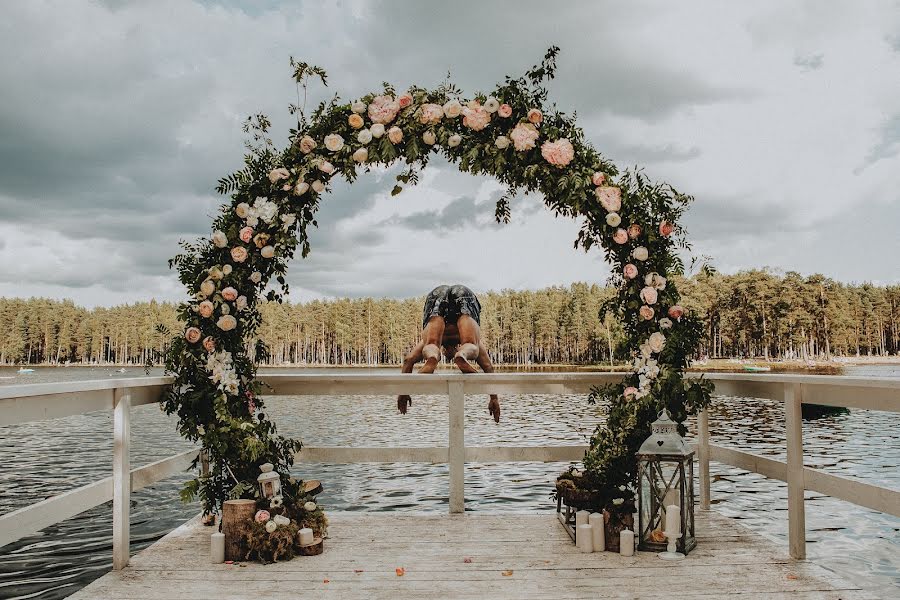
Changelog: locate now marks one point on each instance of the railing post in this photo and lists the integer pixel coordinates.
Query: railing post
(121, 478)
(703, 457)
(793, 425)
(457, 450)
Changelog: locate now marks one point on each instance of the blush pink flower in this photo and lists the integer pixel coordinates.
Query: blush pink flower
(558, 153)
(535, 116)
(383, 109)
(676, 312)
(239, 254)
(192, 335)
(648, 295)
(246, 234)
(431, 114)
(278, 174)
(524, 136)
(395, 135)
(209, 343)
(620, 236)
(634, 230)
(206, 309)
(610, 197)
(666, 229)
(230, 294)
(598, 178)
(646, 312)
(630, 391)
(505, 111)
(405, 100)
(475, 117)
(630, 271)
(262, 516)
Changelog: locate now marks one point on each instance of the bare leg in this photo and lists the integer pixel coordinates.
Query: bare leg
(469, 336)
(484, 361)
(414, 356)
(432, 336)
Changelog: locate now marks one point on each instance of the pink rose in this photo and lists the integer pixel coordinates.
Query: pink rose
(634, 230)
(648, 295)
(666, 229)
(206, 309)
(505, 111)
(262, 516)
(395, 134)
(610, 197)
(230, 294)
(631, 271)
(646, 312)
(192, 334)
(558, 153)
(383, 109)
(535, 116)
(405, 100)
(524, 136)
(475, 117)
(209, 343)
(239, 254)
(246, 234)
(676, 312)
(598, 178)
(355, 121)
(630, 391)
(620, 236)
(431, 114)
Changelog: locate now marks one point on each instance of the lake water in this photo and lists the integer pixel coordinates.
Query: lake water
(49, 457)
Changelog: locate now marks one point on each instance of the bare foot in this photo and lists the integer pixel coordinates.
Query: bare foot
(464, 365)
(402, 403)
(494, 408)
(429, 366)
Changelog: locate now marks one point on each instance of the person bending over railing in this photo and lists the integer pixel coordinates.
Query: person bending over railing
(451, 321)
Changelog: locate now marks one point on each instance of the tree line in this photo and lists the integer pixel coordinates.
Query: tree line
(754, 313)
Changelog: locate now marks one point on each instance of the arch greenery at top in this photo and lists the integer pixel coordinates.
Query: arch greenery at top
(512, 134)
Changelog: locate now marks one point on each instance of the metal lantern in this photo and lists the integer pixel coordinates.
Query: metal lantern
(269, 481)
(665, 477)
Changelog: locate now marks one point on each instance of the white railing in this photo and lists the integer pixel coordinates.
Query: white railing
(22, 403)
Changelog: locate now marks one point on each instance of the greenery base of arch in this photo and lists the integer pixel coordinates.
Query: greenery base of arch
(512, 134)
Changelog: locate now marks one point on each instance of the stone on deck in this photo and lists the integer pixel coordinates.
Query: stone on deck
(512, 556)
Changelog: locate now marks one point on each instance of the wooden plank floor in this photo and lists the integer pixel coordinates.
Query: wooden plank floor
(512, 556)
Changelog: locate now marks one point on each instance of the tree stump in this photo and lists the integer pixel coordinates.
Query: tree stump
(312, 549)
(237, 516)
(311, 486)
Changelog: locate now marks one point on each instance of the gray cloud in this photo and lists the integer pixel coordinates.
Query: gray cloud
(810, 62)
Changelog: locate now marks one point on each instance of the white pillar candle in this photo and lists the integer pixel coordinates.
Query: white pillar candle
(673, 520)
(217, 547)
(598, 531)
(584, 537)
(626, 542)
(306, 536)
(581, 517)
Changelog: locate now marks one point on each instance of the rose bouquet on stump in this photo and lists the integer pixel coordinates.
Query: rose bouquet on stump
(275, 532)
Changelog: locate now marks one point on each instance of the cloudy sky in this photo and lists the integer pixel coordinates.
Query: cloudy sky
(117, 118)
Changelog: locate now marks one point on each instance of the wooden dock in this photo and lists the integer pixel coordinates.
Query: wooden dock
(477, 556)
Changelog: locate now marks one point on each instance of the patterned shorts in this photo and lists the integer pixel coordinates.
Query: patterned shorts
(451, 301)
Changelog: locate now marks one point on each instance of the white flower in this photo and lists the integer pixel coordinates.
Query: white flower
(454, 140)
(252, 220)
(224, 309)
(242, 210)
(276, 502)
(621, 488)
(334, 142)
(307, 144)
(201, 430)
(216, 274)
(226, 323)
(281, 520)
(649, 278)
(278, 174)
(364, 136)
(656, 341)
(502, 142)
(264, 209)
(660, 283)
(302, 188)
(377, 130)
(452, 109)
(219, 239)
(358, 107)
(618, 501)
(665, 323)
(429, 138)
(640, 253)
(645, 350)
(310, 506)
(317, 186)
(256, 277)
(227, 269)
(271, 526)
(208, 287)
(361, 155)
(267, 252)
(241, 303)
(287, 221)
(326, 167)
(613, 219)
(491, 104)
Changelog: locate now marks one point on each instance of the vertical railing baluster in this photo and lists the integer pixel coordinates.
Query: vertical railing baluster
(457, 450)
(793, 421)
(121, 478)
(703, 456)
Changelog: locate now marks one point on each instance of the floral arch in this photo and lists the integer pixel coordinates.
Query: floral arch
(511, 134)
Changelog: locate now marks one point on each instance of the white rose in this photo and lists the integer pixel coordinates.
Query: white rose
(317, 186)
(656, 341)
(361, 155)
(271, 526)
(219, 239)
(649, 278)
(242, 210)
(454, 140)
(491, 105)
(613, 219)
(256, 277)
(502, 142)
(377, 130)
(281, 520)
(326, 167)
(252, 220)
(278, 174)
(660, 282)
(452, 109)
(334, 142)
(364, 136)
(216, 274)
(618, 501)
(665, 323)
(227, 269)
(310, 506)
(267, 252)
(640, 253)
(307, 144)
(208, 287)
(358, 107)
(225, 310)
(241, 303)
(429, 138)
(226, 323)
(302, 188)
(645, 350)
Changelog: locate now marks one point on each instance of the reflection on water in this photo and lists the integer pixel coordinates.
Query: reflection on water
(46, 458)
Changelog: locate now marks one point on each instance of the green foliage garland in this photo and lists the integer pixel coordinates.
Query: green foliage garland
(512, 134)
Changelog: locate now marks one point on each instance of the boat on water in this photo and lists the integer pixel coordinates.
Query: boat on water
(756, 369)
(24, 370)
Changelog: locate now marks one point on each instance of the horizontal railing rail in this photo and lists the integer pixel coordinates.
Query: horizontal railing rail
(24, 403)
